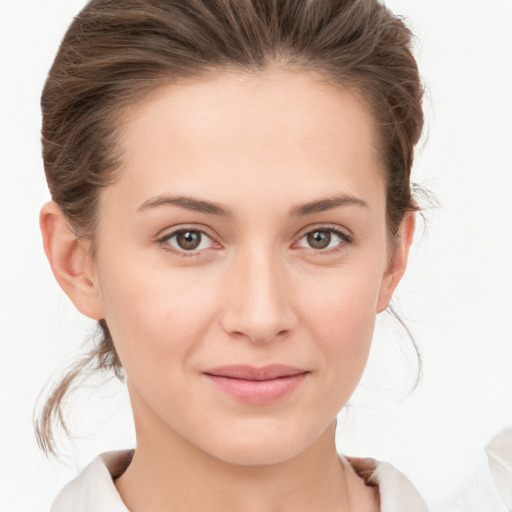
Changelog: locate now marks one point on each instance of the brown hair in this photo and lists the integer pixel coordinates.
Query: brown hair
(117, 51)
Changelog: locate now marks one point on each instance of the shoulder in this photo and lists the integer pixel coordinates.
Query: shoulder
(93, 489)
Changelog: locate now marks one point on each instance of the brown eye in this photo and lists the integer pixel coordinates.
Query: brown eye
(188, 240)
(325, 240)
(319, 239)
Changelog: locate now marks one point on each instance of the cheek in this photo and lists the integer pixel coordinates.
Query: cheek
(342, 322)
(155, 316)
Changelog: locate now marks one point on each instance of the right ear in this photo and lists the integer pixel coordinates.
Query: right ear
(70, 260)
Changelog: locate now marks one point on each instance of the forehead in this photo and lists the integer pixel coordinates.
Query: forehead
(249, 132)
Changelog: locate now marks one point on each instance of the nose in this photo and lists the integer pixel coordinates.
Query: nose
(258, 303)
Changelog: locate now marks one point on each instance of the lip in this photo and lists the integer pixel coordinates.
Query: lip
(256, 385)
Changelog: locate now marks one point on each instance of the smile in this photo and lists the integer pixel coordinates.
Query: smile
(257, 385)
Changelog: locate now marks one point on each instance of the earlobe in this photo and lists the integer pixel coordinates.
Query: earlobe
(70, 262)
(398, 263)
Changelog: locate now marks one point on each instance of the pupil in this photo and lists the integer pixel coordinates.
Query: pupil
(319, 239)
(189, 240)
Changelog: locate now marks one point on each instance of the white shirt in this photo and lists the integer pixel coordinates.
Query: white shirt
(490, 487)
(94, 490)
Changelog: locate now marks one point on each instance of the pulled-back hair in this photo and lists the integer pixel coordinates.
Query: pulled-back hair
(118, 51)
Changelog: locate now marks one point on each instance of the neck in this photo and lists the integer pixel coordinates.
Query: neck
(168, 473)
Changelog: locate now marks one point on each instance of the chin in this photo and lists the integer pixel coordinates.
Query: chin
(257, 454)
(261, 447)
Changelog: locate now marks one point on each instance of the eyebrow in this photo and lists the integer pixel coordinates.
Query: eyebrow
(189, 203)
(202, 206)
(326, 204)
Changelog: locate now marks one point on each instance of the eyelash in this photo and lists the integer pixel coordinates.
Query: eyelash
(345, 239)
(164, 242)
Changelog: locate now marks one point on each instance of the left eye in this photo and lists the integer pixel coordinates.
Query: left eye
(320, 239)
(188, 240)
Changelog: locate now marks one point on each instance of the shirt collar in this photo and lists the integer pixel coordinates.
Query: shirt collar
(94, 490)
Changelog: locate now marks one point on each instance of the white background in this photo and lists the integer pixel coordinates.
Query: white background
(456, 297)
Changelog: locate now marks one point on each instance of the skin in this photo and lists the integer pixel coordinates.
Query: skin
(260, 146)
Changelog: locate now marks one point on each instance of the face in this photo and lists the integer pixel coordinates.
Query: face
(242, 259)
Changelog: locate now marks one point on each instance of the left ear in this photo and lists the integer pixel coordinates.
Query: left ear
(398, 262)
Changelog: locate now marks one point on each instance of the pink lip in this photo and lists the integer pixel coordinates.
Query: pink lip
(257, 385)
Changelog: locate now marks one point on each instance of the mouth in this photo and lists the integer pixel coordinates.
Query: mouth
(256, 385)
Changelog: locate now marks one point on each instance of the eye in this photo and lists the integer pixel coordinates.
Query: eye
(187, 240)
(324, 238)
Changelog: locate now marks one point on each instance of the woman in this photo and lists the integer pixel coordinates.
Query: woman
(232, 202)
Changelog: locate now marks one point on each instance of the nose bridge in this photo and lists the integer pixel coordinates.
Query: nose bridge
(258, 306)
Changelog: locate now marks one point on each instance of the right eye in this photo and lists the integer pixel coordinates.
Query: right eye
(187, 241)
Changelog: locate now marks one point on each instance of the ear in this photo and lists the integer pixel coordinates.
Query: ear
(398, 262)
(70, 261)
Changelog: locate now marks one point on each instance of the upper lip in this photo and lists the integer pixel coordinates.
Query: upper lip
(247, 372)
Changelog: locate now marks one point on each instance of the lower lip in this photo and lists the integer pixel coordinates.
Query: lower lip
(258, 391)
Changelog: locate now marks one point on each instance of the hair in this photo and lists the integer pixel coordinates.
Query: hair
(116, 52)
